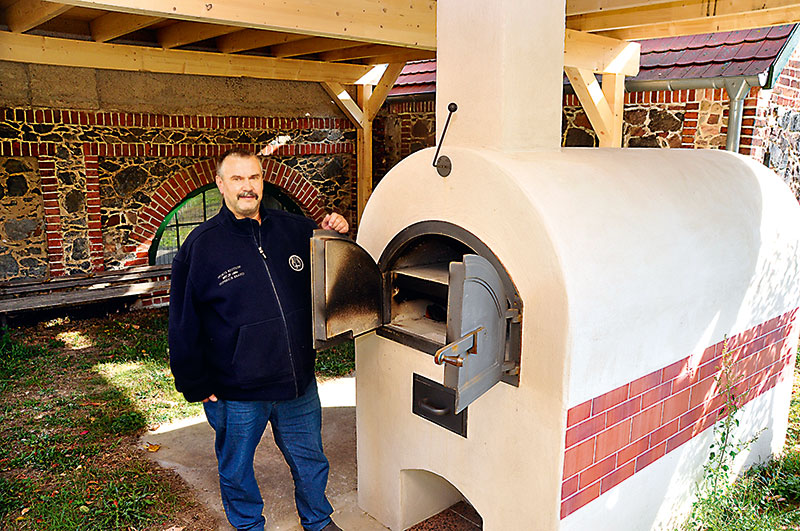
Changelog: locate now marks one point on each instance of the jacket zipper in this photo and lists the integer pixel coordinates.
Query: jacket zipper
(280, 308)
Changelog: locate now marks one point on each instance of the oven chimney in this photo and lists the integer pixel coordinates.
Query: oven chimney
(501, 62)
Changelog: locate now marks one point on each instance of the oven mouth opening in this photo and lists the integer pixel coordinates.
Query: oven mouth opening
(415, 269)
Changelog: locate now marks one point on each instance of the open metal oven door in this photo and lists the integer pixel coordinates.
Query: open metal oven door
(476, 330)
(345, 289)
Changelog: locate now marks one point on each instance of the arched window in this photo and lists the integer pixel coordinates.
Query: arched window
(200, 205)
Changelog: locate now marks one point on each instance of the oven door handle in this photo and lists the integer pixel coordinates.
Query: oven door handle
(433, 410)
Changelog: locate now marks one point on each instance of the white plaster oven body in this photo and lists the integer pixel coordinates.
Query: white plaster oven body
(626, 261)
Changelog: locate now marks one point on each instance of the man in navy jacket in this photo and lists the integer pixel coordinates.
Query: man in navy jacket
(240, 341)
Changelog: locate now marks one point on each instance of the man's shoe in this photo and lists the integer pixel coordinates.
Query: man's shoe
(332, 527)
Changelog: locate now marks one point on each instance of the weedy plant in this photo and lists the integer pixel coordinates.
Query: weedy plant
(752, 502)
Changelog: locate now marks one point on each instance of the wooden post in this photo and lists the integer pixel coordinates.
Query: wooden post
(614, 91)
(364, 149)
(361, 112)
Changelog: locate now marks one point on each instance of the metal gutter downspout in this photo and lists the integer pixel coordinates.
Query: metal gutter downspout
(736, 87)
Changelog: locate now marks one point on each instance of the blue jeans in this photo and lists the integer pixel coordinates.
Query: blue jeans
(296, 425)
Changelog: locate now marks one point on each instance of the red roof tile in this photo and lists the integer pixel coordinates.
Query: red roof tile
(730, 53)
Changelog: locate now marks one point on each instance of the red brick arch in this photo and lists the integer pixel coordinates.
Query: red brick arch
(176, 188)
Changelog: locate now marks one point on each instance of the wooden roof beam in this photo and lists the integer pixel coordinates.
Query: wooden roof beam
(674, 12)
(407, 23)
(345, 102)
(310, 46)
(381, 90)
(250, 39)
(579, 7)
(182, 33)
(732, 22)
(596, 53)
(400, 57)
(37, 49)
(24, 15)
(112, 25)
(360, 52)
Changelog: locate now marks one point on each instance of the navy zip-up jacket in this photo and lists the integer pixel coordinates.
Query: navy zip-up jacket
(240, 308)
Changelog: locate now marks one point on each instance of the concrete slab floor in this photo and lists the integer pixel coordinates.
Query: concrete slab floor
(188, 448)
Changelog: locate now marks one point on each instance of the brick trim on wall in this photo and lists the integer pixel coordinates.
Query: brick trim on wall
(52, 215)
(181, 184)
(34, 149)
(95, 231)
(57, 116)
(619, 433)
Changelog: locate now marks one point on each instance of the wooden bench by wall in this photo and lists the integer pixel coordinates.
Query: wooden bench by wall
(72, 290)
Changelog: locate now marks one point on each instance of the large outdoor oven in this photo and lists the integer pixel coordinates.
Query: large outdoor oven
(541, 331)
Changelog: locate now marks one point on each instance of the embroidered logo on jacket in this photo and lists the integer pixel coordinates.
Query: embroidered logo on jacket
(230, 274)
(296, 263)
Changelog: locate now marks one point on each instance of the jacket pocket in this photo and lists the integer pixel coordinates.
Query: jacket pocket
(261, 354)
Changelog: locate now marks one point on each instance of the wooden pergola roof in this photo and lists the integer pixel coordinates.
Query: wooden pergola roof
(311, 40)
(345, 42)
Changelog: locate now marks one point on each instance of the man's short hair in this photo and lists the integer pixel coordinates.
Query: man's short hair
(235, 152)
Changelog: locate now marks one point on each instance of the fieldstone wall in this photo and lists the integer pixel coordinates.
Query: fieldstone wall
(678, 119)
(23, 245)
(128, 185)
(401, 129)
(85, 185)
(772, 124)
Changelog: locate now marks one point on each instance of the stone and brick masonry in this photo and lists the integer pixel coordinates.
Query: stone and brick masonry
(83, 191)
(689, 119)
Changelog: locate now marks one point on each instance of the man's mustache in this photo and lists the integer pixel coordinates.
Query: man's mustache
(247, 194)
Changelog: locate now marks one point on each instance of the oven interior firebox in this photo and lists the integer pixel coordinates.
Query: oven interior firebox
(436, 288)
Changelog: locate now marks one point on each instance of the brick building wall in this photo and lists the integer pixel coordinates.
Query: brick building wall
(689, 119)
(772, 124)
(400, 129)
(677, 119)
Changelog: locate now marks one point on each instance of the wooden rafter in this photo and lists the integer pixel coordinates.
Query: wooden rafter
(586, 54)
(401, 57)
(682, 12)
(47, 50)
(359, 52)
(345, 102)
(182, 33)
(408, 23)
(112, 25)
(381, 90)
(361, 113)
(250, 39)
(743, 21)
(601, 54)
(24, 15)
(310, 46)
(578, 7)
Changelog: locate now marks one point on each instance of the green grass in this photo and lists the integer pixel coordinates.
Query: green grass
(336, 361)
(74, 398)
(765, 497)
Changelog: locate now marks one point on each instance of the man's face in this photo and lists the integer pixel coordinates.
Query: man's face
(240, 182)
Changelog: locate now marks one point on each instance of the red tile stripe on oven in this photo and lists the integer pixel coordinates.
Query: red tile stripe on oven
(619, 433)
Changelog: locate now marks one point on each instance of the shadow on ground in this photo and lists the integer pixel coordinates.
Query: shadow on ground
(188, 448)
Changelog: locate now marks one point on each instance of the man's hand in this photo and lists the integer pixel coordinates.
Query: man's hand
(334, 221)
(212, 398)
